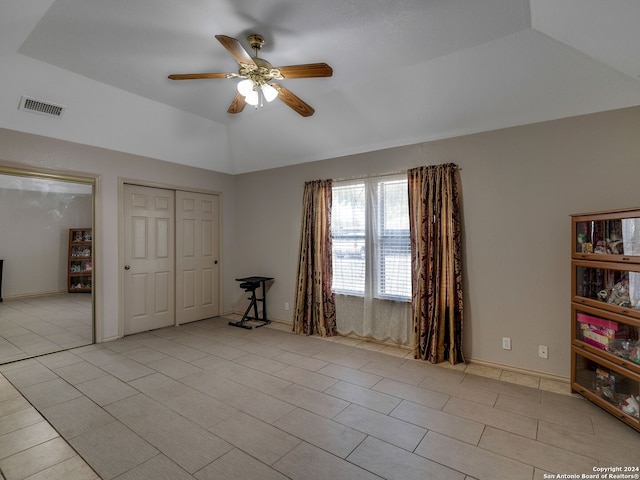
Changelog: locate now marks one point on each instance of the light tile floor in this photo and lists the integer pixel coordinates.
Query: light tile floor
(210, 401)
(39, 325)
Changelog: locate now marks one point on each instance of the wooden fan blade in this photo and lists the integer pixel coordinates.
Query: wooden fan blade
(237, 105)
(236, 49)
(308, 70)
(193, 76)
(293, 101)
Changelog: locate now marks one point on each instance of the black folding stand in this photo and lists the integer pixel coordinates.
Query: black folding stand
(251, 284)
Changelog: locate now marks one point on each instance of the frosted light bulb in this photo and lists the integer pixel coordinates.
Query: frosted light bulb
(252, 98)
(270, 93)
(245, 87)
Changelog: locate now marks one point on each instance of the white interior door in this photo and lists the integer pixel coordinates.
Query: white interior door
(149, 254)
(197, 267)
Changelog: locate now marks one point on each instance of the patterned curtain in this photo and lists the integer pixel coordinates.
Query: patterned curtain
(435, 226)
(315, 310)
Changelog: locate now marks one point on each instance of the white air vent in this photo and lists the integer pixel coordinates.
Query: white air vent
(39, 106)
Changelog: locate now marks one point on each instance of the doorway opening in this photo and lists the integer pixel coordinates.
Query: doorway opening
(38, 315)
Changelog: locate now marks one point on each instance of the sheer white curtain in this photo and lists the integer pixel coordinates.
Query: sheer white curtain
(377, 319)
(372, 258)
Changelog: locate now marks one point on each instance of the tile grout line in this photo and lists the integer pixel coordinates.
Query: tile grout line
(271, 374)
(43, 419)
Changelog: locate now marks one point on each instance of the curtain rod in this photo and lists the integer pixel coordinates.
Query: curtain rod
(364, 177)
(387, 174)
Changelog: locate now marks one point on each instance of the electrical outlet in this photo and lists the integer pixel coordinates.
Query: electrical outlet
(543, 351)
(286, 305)
(506, 343)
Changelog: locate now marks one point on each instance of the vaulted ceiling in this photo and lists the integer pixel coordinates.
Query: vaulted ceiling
(405, 71)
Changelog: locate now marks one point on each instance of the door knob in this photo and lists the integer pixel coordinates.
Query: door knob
(127, 267)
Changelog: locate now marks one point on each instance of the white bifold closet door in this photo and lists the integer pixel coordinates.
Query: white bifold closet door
(197, 266)
(171, 267)
(149, 255)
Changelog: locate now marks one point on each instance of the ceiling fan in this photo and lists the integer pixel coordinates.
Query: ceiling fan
(258, 75)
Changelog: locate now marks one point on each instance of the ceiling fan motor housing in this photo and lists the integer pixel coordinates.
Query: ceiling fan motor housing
(256, 41)
(260, 72)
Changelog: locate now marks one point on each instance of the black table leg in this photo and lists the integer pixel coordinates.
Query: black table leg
(258, 282)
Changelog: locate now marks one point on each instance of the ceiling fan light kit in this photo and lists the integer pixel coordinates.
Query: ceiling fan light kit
(254, 91)
(257, 77)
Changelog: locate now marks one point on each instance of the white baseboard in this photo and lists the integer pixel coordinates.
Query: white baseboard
(110, 339)
(22, 296)
(523, 371)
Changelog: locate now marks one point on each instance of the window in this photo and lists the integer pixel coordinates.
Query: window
(371, 244)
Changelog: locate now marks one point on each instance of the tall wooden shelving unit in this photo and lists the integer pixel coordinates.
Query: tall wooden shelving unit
(80, 264)
(605, 311)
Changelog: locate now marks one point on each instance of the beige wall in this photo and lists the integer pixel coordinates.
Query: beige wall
(519, 187)
(35, 151)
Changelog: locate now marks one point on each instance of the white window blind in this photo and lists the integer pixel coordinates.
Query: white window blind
(393, 241)
(371, 244)
(348, 238)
